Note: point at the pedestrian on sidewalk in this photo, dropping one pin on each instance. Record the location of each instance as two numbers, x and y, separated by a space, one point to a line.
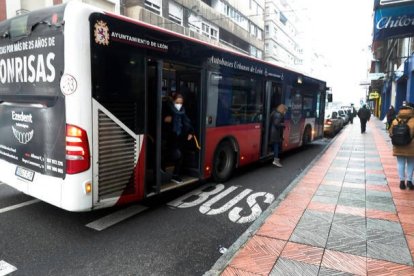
276 132
405 154
364 115
352 114
390 116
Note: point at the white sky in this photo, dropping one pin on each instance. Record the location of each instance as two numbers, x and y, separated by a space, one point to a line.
341 31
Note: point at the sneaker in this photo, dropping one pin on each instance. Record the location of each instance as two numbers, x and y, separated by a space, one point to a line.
276 162
176 179
402 185
410 185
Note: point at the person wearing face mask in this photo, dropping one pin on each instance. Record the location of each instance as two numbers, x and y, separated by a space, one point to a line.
177 130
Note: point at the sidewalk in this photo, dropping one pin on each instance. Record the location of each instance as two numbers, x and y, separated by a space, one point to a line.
346 216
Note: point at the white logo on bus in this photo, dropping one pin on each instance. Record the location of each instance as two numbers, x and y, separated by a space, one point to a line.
21 128
68 84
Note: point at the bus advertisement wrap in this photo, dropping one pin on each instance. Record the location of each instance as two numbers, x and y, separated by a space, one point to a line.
32 107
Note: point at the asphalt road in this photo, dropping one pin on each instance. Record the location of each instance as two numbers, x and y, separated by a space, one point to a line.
172 237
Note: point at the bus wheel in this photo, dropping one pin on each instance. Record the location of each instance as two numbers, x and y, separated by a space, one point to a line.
223 163
306 139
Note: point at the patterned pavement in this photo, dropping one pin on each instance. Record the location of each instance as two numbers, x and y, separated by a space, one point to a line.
346 216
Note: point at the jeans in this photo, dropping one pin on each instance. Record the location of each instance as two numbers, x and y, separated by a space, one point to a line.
276 150
401 163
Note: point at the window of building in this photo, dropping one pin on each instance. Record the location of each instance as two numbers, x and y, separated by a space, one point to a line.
255 8
253 51
194 22
175 13
259 54
253 29
256 52
153 5
267 29
283 18
208 2
234 15
205 29
209 31
214 33
275 50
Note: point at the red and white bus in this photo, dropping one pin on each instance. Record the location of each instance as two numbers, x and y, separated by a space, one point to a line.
81 99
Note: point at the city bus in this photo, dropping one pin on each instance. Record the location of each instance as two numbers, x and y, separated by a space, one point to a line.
82 93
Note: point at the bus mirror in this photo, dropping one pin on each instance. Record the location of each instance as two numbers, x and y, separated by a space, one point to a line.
329 97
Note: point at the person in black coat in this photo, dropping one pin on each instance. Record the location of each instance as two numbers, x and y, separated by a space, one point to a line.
391 115
276 132
352 114
364 115
177 129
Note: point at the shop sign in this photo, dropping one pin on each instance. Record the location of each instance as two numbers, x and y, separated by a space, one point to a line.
374 95
394 22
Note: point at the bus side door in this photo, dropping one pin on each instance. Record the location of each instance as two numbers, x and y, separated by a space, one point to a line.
272 98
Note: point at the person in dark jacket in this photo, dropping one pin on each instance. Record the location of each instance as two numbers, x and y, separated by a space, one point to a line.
276 132
390 116
177 129
364 115
352 114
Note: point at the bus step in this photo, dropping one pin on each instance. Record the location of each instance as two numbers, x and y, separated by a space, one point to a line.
171 185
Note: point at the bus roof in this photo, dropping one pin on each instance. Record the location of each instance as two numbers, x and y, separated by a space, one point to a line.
136 21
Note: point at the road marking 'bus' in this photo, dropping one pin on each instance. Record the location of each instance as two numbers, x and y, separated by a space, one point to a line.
6 268
201 196
17 206
116 217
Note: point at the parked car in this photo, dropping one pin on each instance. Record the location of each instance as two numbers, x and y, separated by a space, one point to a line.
344 115
333 123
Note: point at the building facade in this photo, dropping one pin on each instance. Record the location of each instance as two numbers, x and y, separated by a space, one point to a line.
226 23
392 67
231 24
265 29
282 44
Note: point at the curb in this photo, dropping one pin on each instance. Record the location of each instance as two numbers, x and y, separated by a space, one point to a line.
226 258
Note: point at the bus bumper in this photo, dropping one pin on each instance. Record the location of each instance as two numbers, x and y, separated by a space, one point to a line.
68 194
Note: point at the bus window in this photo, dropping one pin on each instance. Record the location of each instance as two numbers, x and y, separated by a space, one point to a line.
308 106
235 100
118 83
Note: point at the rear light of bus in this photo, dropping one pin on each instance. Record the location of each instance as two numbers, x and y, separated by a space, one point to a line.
328 122
77 150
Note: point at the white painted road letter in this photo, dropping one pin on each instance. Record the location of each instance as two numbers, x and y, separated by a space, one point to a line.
234 214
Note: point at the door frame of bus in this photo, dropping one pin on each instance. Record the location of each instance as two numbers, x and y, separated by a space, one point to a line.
156 187
265 152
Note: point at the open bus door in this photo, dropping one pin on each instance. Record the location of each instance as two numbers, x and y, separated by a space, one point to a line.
164 79
272 98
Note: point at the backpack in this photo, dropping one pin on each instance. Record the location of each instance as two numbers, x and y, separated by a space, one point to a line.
401 133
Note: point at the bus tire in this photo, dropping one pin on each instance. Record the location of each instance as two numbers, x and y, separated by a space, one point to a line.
223 162
306 138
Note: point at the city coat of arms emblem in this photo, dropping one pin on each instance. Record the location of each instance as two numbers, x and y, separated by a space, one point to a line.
101 33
